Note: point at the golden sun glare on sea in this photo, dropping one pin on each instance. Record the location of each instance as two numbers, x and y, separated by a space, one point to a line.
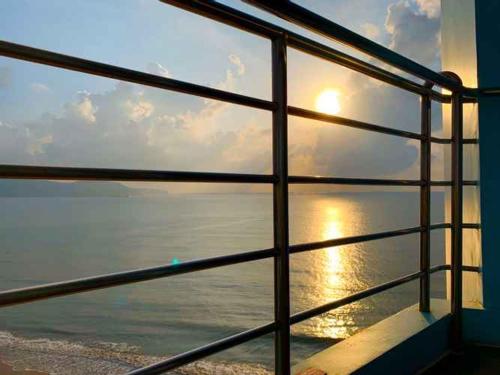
328 102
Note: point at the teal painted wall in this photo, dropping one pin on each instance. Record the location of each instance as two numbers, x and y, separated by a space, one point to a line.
488 57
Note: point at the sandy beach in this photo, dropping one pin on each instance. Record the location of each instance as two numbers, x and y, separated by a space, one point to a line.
6 369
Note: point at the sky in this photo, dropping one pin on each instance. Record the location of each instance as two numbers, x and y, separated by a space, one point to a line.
51 116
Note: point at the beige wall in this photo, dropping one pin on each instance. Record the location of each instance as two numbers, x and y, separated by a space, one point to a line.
459 55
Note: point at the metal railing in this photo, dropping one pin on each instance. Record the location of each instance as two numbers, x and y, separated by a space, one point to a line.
281 39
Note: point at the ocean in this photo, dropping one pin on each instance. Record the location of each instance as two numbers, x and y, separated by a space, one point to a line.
115 330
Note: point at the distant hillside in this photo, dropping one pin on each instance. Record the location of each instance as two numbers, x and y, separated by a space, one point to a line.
35 188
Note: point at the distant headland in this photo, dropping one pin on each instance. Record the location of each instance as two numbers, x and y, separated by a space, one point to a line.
36 188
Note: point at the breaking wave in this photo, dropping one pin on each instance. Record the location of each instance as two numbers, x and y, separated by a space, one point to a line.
61 357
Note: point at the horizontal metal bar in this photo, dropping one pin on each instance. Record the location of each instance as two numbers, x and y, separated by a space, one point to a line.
40 56
441 267
464 226
112 174
443 141
204 351
303 17
228 16
447 267
257 26
470 141
488 91
441 226
470 182
471 269
446 141
313 115
469 95
471 226
106 174
440 183
449 183
351 181
304 315
332 55
298 248
58 289
368 181
351 240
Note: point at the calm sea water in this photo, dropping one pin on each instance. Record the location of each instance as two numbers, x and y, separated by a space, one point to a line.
114 330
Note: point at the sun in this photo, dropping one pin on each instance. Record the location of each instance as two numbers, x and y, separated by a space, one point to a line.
328 102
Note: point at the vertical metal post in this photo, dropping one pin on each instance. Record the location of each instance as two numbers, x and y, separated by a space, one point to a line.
280 207
425 202
456 220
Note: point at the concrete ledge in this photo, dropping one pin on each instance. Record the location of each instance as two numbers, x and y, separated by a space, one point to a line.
404 343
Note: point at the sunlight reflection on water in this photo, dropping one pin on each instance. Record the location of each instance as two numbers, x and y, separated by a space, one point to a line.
332 273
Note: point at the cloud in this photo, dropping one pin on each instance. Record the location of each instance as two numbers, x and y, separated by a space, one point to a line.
15 143
414 33
345 152
437 159
39 87
84 108
5 76
37 145
147 128
139 127
139 110
370 30
158 69
431 8
237 62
